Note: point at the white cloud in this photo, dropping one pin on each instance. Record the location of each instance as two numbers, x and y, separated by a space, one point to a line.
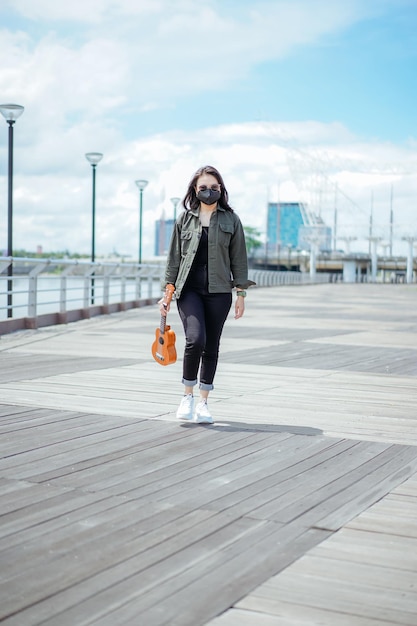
133 56
87 11
81 67
55 210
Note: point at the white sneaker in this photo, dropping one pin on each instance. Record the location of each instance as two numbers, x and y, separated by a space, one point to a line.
185 409
202 414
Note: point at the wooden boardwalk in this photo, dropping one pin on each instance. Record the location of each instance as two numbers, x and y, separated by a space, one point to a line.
297 507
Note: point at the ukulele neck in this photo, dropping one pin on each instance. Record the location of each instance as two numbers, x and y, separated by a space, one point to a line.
163 324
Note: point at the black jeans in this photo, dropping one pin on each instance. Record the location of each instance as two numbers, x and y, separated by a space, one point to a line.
203 315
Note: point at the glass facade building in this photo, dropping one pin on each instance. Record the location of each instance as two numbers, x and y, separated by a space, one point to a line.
291 225
283 223
319 233
163 232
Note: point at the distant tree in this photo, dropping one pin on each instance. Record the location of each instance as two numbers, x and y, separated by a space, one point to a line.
252 239
49 255
22 253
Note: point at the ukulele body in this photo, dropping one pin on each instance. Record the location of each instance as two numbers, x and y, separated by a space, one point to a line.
163 348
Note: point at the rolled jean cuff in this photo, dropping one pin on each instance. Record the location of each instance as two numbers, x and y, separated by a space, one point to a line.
206 387
189 383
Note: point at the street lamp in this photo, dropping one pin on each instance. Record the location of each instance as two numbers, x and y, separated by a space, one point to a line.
141 184
373 242
10 113
289 247
93 158
175 203
410 257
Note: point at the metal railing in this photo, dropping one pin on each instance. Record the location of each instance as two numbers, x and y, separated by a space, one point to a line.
268 278
52 291
55 291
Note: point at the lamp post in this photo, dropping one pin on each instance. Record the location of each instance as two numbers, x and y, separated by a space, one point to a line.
175 203
373 242
347 240
93 158
315 240
289 247
141 184
410 257
10 113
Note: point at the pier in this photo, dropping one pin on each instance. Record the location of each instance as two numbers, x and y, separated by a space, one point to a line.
297 507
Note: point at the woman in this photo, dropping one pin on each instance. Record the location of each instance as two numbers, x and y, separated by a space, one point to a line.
206 259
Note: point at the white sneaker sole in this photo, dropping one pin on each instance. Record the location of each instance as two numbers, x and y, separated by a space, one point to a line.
185 418
204 420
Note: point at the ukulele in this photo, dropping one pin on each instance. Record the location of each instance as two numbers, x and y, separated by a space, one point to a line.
163 348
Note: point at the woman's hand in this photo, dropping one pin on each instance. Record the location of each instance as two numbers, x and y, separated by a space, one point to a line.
165 301
163 307
239 307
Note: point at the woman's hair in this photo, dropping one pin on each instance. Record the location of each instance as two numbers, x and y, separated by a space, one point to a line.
192 202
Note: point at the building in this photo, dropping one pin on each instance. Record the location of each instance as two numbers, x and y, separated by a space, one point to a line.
163 232
283 222
318 234
292 225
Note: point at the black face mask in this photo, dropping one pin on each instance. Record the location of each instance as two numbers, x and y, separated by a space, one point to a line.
209 196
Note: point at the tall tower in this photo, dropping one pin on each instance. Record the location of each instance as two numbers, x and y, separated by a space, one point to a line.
163 232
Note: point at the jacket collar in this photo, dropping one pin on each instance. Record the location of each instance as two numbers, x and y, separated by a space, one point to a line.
196 212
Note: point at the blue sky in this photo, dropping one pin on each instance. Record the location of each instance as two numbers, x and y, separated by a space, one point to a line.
363 76
288 99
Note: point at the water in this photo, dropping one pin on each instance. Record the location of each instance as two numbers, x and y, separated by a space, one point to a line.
48 293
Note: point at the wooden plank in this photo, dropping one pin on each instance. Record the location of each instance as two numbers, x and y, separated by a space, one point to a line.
243 466
324 488
285 615
43 510
180 603
390 515
117 511
362 573
370 488
255 498
133 560
407 488
398 607
26 366
324 356
238 617
27 494
129 521
87 513
27 439
173 466
66 453
114 543
375 548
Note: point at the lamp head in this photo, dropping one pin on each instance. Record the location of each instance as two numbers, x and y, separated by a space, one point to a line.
11 112
141 184
175 201
94 157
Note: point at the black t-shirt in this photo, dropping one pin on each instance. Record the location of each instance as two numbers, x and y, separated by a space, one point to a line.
198 278
201 256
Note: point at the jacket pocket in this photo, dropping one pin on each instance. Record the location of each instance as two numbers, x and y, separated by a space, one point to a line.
185 241
225 234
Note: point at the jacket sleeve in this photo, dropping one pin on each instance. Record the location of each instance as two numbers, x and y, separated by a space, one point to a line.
174 255
239 257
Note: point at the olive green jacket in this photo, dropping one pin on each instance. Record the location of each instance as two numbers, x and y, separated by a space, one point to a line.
227 257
